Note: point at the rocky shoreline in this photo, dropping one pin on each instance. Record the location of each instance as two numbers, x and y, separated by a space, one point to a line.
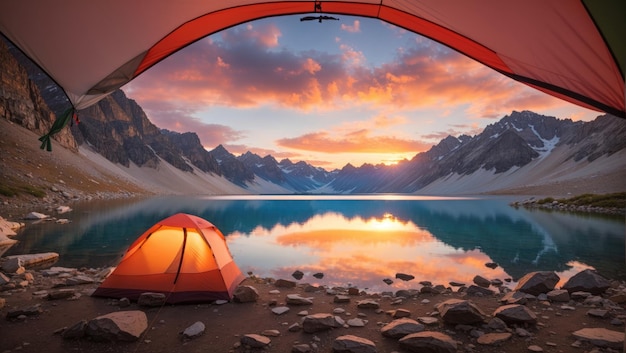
587 314
532 204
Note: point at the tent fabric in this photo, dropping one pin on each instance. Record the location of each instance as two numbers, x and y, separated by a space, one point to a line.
572 49
182 256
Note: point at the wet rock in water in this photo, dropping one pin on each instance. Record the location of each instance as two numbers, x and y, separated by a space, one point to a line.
494 338
601 337
36 216
245 294
428 341
255 341
195 330
515 314
456 284
296 299
404 276
297 274
367 304
283 283
491 265
117 326
318 322
457 311
587 281
388 281
318 275
401 327
538 282
151 299
481 281
353 344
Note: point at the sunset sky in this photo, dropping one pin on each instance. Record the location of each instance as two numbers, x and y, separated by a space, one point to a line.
356 91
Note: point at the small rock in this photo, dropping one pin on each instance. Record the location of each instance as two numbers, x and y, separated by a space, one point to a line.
353 344
195 330
255 341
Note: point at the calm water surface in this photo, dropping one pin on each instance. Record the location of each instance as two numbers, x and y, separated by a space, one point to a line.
353 240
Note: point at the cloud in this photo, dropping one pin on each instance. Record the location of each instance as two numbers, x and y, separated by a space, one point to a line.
246 67
355 28
358 141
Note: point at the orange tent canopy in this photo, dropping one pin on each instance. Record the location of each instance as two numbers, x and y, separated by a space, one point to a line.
571 49
182 256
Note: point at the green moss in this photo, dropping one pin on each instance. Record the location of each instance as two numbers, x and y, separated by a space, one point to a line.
617 200
14 189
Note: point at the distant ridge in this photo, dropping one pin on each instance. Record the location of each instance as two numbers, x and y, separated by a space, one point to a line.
519 153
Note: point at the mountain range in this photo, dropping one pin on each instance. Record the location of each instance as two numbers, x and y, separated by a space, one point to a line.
521 151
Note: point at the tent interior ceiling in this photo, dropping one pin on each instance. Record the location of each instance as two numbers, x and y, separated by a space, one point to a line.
571 49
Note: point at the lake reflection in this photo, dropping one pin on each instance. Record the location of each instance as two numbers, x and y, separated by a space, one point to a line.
356 240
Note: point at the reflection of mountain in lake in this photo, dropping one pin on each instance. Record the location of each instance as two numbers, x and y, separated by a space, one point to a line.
518 240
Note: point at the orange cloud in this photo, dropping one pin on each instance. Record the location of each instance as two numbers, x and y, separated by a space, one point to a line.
360 141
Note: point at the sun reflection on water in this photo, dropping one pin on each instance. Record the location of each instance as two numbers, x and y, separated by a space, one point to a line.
356 251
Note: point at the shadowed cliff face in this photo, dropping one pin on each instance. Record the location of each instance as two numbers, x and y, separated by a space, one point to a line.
21 101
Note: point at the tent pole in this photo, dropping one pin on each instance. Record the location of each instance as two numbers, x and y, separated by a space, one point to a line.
182 254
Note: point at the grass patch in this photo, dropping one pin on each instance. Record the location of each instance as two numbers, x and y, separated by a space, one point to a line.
18 189
617 200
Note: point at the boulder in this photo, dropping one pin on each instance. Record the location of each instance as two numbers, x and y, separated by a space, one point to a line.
353 344
538 282
558 295
587 281
318 322
245 294
601 337
515 314
457 311
481 281
428 341
401 327
117 326
479 291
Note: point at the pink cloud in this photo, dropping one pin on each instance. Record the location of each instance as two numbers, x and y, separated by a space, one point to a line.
354 28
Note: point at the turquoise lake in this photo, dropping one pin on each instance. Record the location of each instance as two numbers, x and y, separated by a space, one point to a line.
353 240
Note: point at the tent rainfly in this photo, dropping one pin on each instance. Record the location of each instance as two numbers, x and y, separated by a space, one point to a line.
572 49
183 256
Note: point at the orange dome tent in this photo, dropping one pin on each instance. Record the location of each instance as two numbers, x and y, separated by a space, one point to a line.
182 256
